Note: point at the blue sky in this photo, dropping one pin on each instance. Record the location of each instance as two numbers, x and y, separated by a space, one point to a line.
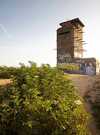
28 28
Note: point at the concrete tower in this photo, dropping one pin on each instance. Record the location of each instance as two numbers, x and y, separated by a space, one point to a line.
70 40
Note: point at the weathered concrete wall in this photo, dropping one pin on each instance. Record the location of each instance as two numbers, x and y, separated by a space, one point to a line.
86 65
69 40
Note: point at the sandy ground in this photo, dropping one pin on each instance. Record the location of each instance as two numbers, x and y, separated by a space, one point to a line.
83 83
4 81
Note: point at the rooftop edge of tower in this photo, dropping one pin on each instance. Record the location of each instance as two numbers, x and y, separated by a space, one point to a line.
73 22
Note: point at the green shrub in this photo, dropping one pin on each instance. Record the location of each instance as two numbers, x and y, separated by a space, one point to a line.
69 67
41 101
7 72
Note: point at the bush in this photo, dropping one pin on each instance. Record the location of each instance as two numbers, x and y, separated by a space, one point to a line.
41 101
7 72
69 67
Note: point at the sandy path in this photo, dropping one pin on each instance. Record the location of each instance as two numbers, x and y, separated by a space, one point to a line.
83 83
4 81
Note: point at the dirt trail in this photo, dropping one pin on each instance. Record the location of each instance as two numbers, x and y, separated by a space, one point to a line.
4 81
84 83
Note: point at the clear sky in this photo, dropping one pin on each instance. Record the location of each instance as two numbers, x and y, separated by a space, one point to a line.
28 28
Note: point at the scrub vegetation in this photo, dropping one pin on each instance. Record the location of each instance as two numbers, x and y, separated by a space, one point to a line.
41 101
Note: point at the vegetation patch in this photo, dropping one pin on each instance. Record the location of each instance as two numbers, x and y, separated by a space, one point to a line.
41 101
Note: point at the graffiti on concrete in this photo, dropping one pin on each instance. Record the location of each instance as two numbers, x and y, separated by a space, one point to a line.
86 65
